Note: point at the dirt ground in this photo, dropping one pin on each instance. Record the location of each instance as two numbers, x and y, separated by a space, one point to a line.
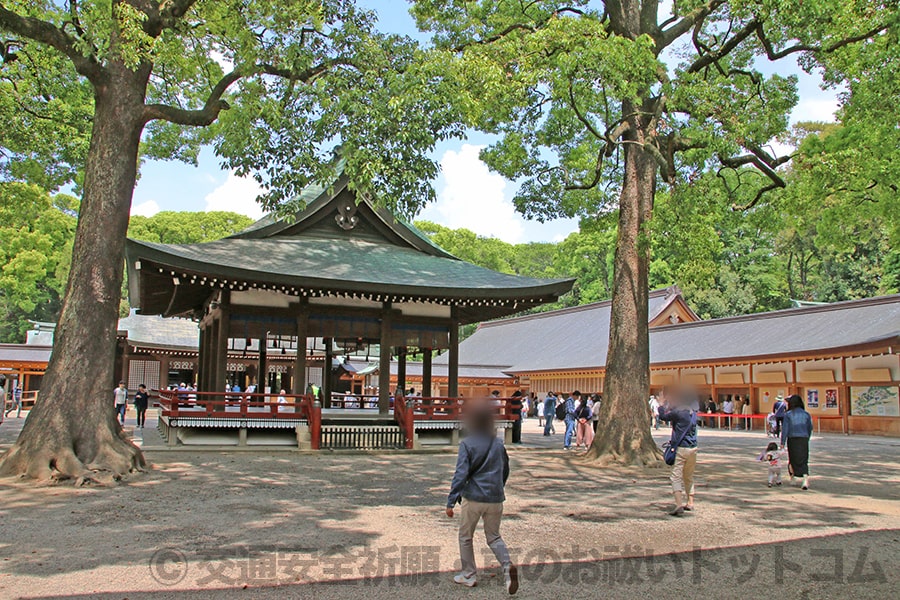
282 524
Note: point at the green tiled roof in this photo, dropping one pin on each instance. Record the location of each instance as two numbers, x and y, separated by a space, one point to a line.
315 249
343 264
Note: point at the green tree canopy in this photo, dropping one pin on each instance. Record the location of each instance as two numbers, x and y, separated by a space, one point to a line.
36 232
175 227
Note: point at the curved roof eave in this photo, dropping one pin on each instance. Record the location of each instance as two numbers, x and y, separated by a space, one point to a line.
137 250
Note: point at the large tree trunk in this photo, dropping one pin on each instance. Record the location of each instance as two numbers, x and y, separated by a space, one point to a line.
72 431
624 434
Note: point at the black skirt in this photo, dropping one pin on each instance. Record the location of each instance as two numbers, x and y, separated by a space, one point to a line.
798 455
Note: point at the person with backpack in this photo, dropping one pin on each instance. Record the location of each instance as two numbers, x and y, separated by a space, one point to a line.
684 440
549 413
568 412
779 408
482 469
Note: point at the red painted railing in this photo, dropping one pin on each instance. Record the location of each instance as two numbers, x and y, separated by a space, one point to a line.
182 403
450 409
409 410
405 419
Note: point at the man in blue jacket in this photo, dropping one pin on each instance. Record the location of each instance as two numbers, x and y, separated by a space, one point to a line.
549 413
482 468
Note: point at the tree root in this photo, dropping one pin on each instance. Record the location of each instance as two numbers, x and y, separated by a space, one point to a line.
114 461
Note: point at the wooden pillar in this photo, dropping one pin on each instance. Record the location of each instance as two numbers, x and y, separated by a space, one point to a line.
326 372
384 361
208 358
298 381
426 372
453 362
201 357
261 371
844 398
126 357
221 349
401 369
163 372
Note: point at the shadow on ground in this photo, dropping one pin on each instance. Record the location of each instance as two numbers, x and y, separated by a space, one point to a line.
859 565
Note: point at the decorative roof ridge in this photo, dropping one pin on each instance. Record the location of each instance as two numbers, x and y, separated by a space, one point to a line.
666 292
787 312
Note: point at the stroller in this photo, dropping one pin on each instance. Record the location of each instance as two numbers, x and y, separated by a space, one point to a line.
772 425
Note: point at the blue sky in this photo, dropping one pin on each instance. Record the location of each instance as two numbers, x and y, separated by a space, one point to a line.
468 194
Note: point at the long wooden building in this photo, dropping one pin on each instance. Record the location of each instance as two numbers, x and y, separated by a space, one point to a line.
842 358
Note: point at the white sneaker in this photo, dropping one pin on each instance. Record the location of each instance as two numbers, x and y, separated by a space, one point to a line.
511 576
805 485
466 581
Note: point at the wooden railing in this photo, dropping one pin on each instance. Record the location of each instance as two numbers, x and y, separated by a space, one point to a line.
450 409
180 403
351 401
403 414
409 410
29 398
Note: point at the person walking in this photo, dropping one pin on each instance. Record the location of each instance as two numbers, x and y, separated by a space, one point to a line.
746 412
779 408
121 400
539 406
595 411
482 469
570 418
712 409
141 400
796 429
654 412
774 456
684 440
583 427
16 401
516 406
549 413
2 397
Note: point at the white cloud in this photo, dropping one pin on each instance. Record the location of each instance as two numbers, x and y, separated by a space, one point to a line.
145 209
474 198
237 194
816 109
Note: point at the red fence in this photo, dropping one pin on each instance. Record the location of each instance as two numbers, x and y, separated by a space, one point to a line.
182 403
409 410
189 403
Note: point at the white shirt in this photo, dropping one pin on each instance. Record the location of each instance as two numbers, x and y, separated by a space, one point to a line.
121 396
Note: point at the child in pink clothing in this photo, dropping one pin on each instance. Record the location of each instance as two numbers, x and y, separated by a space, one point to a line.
774 456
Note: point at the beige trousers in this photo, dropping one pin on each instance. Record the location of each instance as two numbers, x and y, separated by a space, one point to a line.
470 513
683 470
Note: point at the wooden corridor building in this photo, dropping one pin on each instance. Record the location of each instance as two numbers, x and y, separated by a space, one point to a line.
342 270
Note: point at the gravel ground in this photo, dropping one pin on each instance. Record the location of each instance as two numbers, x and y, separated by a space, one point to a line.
265 524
